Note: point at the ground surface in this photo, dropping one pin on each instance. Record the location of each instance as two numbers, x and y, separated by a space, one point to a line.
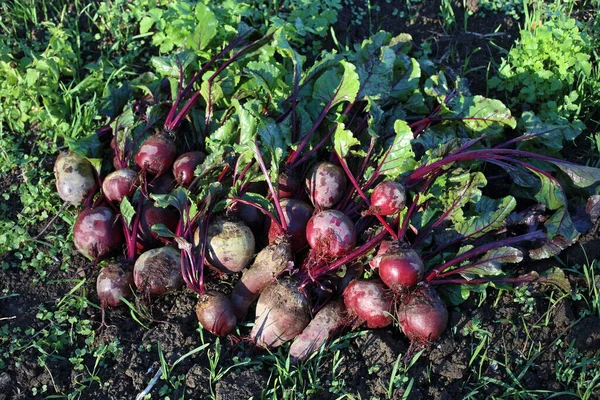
503 345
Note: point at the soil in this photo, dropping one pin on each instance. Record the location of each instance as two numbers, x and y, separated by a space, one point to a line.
443 371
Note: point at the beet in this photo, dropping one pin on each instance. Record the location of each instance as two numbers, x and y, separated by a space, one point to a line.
388 198
120 184
75 178
296 214
156 155
185 165
368 302
114 282
383 248
215 313
288 183
150 216
158 271
230 245
97 233
401 268
163 184
422 315
326 184
330 233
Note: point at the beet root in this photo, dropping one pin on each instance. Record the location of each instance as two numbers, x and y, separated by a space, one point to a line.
120 184
185 165
75 178
296 214
326 323
230 245
158 271
156 154
326 184
388 198
114 282
215 313
151 216
269 262
423 315
97 233
330 233
368 302
401 268
282 313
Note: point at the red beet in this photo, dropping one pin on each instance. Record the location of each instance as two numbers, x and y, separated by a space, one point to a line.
156 155
330 233
401 268
215 313
423 315
288 183
185 165
383 248
97 233
326 184
388 198
297 213
150 216
369 303
158 271
113 283
163 184
119 184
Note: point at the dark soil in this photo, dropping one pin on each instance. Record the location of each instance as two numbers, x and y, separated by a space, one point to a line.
445 369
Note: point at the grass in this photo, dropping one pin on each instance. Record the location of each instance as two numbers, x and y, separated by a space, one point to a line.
59 59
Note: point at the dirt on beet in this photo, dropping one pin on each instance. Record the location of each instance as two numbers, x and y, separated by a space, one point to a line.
366 365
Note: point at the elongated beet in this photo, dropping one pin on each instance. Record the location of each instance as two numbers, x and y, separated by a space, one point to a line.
158 271
296 213
75 178
422 315
114 282
119 184
388 198
156 154
401 268
97 233
282 313
269 262
230 245
369 303
185 165
326 323
330 233
326 184
215 313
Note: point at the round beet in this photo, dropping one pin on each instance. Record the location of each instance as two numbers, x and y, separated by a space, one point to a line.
230 245
330 233
97 233
423 315
185 165
326 184
151 216
119 184
156 155
388 198
75 178
113 283
296 214
383 248
401 268
215 313
163 184
158 271
288 183
369 303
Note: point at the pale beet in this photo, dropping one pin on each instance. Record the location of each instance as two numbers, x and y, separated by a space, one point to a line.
120 184
330 233
114 282
185 165
156 154
229 245
423 315
98 233
401 268
150 216
326 184
388 198
75 178
368 302
323 327
158 271
268 264
296 214
282 313
215 313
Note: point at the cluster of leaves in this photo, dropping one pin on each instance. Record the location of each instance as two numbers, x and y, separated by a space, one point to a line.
551 75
